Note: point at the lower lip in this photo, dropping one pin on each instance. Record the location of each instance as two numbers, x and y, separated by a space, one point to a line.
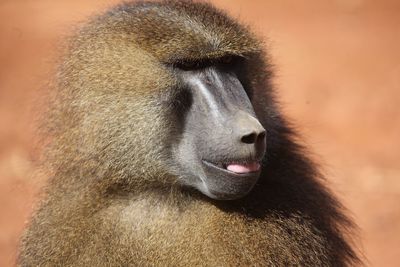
244 168
238 169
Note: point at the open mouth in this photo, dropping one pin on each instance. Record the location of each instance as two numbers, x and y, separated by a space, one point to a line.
238 168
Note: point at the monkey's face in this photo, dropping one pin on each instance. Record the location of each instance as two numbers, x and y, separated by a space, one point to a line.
221 142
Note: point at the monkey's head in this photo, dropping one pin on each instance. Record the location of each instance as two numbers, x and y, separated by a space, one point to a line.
222 143
168 90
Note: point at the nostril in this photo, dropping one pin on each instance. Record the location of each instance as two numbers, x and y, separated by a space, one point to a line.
253 137
249 139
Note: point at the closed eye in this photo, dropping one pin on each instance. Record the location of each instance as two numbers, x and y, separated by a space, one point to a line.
227 62
188 65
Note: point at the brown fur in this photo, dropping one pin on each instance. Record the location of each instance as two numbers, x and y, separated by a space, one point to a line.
112 202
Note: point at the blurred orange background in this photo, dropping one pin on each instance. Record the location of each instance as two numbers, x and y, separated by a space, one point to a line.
337 74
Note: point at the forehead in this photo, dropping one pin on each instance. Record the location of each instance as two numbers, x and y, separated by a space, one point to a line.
126 48
183 30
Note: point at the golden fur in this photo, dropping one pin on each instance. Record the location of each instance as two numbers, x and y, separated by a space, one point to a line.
112 202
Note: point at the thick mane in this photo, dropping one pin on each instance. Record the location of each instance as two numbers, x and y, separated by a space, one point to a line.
112 201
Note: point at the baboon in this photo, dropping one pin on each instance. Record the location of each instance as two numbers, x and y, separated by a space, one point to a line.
168 148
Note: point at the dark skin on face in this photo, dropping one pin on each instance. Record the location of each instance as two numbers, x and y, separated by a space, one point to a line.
167 148
223 142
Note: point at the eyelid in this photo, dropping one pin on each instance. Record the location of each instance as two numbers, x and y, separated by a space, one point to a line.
190 64
228 60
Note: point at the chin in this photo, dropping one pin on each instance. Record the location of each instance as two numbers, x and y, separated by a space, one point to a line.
222 184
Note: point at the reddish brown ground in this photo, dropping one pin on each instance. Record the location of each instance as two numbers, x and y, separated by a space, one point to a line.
338 76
